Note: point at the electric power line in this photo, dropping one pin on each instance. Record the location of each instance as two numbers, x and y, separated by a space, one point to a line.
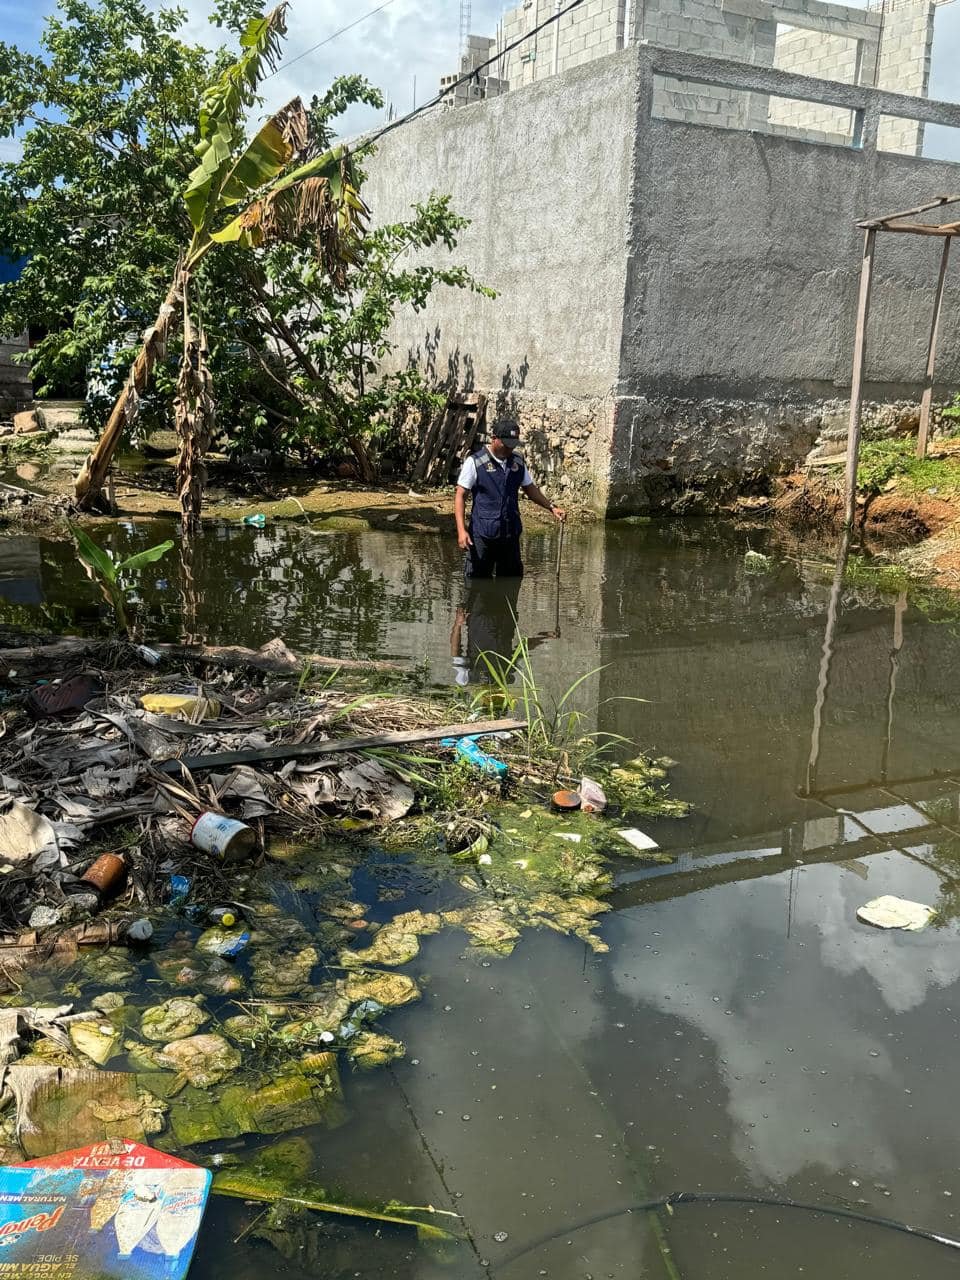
319 45
368 139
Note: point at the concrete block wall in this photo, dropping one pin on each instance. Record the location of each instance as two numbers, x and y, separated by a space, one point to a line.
15 386
699 330
828 57
807 37
904 67
593 30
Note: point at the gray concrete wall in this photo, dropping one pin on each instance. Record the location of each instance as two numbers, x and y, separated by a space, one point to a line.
741 294
676 301
543 175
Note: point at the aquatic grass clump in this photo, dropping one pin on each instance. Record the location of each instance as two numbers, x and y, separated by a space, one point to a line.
554 740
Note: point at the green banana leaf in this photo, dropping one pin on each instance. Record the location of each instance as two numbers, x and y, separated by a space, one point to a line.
221 115
263 159
94 556
142 558
328 166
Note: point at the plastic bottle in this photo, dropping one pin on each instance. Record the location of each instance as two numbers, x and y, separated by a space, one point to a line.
226 917
257 521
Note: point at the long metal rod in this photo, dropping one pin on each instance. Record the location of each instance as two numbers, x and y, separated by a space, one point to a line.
856 384
927 398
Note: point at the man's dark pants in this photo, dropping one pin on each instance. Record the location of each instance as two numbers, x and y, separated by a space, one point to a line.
489 556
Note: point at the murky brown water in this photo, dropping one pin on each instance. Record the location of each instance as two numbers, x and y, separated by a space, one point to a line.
744 1034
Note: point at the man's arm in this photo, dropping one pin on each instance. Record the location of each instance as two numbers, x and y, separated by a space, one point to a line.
460 515
534 494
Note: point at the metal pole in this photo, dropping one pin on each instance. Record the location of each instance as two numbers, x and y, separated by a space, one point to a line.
556 37
932 353
856 384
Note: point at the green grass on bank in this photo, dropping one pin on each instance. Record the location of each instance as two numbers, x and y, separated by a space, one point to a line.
884 460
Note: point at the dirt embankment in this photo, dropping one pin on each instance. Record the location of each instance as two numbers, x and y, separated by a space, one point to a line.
908 507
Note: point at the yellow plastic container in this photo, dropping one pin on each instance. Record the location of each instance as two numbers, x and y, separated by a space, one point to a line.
188 706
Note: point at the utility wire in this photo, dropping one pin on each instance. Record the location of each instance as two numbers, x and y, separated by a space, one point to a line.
369 139
319 45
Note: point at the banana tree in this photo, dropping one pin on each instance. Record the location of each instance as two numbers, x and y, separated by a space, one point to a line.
246 194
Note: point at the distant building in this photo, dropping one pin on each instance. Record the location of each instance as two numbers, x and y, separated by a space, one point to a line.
886 45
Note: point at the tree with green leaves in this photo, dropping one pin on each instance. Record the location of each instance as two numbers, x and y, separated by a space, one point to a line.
240 193
141 206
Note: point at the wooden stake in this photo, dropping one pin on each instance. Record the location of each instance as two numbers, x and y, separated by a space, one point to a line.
932 353
856 385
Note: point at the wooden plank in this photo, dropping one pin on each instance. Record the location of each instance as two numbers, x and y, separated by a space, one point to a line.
478 418
927 397
881 223
856 383
426 454
300 750
922 228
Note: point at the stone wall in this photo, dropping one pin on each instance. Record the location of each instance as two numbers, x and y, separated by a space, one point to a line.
15 386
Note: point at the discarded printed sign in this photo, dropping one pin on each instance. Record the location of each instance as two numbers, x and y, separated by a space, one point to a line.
111 1210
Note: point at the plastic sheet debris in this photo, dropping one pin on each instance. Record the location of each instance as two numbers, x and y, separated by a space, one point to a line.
225 942
637 839
572 836
592 796
56 699
188 706
890 912
111 1211
468 749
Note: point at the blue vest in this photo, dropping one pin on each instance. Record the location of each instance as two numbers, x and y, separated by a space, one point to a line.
496 501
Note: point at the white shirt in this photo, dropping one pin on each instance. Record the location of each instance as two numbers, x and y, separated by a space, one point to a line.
467 479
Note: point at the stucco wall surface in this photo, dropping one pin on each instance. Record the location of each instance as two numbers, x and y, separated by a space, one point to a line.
543 174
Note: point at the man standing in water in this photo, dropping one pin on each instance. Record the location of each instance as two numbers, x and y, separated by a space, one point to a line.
495 475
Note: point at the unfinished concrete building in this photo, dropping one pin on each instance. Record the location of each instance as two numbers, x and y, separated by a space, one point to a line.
676 293
886 46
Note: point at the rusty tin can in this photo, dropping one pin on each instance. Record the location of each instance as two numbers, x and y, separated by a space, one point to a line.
107 875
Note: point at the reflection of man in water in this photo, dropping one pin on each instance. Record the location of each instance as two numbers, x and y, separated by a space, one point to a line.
488 616
495 476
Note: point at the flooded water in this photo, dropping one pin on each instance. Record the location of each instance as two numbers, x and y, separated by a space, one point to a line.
744 1035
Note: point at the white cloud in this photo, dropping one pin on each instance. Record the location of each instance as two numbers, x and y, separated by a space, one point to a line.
802 1040
410 38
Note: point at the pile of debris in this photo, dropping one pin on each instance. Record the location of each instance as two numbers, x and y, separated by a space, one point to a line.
107 753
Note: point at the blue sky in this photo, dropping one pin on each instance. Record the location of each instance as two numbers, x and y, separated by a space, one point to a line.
410 38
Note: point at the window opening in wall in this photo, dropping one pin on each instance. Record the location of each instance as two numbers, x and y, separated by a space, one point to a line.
696 102
900 135
818 53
